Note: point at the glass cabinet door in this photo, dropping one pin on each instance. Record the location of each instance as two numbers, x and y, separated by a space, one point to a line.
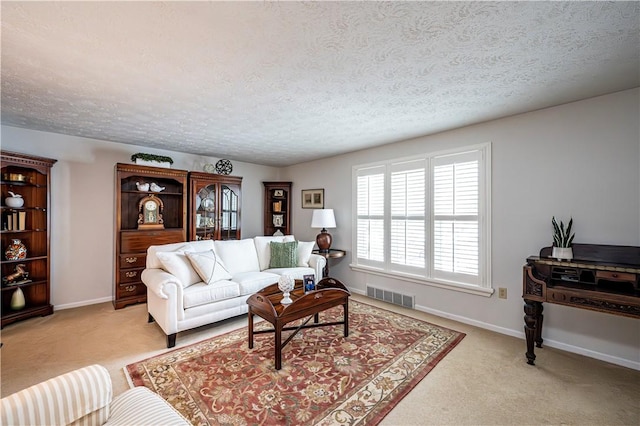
229 213
206 219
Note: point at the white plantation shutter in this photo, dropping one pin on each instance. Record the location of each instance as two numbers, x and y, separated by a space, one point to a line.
408 214
370 215
456 209
427 219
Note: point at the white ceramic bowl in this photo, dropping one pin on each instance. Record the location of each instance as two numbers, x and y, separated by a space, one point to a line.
14 201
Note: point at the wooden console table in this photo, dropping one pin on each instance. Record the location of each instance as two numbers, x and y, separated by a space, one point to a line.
601 278
330 254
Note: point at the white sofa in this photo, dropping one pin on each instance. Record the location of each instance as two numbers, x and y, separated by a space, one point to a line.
177 297
85 397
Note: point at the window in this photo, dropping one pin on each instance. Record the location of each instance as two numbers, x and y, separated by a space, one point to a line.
426 219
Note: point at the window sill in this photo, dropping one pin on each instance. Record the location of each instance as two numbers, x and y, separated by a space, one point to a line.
449 285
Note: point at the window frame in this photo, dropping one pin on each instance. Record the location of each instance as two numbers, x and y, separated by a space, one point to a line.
426 276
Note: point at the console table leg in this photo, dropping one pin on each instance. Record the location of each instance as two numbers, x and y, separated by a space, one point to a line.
532 312
539 318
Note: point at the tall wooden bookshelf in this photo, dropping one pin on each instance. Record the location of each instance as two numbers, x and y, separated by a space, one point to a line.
30 177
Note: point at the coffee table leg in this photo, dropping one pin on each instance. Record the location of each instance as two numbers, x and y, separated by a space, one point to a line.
250 327
278 347
346 319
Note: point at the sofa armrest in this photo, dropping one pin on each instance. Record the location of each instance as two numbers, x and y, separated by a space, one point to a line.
318 263
157 279
84 394
141 406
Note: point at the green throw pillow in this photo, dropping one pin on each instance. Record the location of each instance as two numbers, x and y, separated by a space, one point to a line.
284 255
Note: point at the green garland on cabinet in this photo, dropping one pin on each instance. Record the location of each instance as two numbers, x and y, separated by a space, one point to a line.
152 157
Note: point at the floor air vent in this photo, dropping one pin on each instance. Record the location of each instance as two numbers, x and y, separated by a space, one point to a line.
391 297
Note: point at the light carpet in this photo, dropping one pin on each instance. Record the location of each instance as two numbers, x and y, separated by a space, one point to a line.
325 377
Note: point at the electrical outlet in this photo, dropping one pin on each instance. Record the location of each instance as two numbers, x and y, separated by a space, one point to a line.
502 293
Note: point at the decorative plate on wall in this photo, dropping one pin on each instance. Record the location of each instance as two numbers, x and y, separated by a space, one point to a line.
224 167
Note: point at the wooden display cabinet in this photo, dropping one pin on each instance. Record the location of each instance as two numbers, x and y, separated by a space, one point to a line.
214 206
30 177
132 239
277 208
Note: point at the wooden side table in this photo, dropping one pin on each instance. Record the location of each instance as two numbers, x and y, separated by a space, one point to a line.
331 254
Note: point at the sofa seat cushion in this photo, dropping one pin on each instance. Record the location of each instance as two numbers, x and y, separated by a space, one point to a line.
202 293
295 273
252 282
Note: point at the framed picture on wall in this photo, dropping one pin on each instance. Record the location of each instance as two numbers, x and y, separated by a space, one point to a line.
313 198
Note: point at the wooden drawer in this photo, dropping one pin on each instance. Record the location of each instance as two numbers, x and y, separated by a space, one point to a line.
615 276
139 241
133 260
131 289
130 275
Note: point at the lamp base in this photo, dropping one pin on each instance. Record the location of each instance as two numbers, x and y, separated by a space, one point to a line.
323 240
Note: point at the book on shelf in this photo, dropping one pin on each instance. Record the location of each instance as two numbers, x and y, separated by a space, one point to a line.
22 221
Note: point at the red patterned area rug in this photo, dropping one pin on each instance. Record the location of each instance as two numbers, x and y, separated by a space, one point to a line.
326 379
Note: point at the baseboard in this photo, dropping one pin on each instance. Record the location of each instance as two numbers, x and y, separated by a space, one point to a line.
83 303
520 335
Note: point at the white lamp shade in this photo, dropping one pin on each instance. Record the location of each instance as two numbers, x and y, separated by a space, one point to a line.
323 218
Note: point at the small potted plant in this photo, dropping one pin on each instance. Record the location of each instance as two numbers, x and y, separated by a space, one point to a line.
152 160
562 239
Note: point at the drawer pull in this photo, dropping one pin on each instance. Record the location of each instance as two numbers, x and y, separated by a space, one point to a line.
614 275
130 288
131 274
131 259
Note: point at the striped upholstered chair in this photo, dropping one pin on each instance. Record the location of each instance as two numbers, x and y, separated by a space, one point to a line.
85 397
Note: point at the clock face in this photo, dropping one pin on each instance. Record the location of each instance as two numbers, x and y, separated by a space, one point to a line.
150 211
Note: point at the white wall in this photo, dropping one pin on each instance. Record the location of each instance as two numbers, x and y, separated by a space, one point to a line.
82 210
579 159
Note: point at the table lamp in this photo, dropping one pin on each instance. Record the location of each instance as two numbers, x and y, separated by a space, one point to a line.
323 218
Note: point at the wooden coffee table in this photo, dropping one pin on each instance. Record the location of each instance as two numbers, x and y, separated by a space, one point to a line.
266 304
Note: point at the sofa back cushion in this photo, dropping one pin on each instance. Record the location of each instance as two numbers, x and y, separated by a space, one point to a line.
238 255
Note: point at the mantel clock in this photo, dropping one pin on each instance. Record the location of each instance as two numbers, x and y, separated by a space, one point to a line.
150 210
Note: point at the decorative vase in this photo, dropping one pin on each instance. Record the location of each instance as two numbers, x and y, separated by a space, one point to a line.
17 300
286 284
15 201
16 250
561 253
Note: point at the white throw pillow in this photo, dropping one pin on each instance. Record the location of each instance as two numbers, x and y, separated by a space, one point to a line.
304 252
177 264
209 266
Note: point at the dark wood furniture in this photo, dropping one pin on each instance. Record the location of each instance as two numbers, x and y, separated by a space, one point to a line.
266 304
30 177
277 208
214 206
331 254
132 241
601 278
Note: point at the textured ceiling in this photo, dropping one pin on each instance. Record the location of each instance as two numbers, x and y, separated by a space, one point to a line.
287 82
